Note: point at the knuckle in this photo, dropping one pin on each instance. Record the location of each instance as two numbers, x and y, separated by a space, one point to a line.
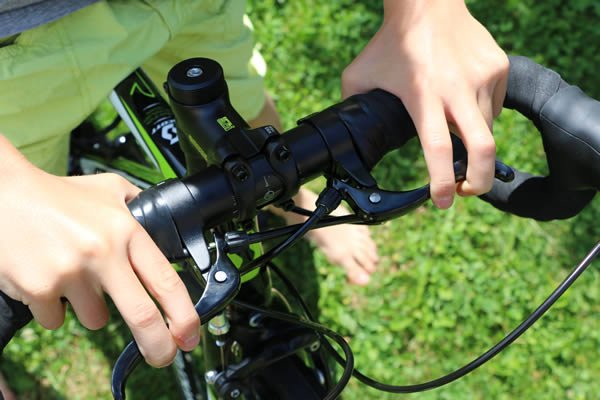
485 147
418 83
170 282
144 315
122 226
67 264
437 142
114 180
190 322
164 358
94 246
501 63
41 292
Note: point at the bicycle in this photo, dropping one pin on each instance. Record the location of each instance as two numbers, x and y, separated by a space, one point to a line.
255 352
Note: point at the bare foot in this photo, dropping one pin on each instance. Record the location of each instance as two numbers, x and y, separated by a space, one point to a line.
349 246
5 390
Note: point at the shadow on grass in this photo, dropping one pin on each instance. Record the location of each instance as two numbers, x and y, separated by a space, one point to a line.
145 381
25 384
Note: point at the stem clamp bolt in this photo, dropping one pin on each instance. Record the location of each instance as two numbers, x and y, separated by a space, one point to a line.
240 173
283 153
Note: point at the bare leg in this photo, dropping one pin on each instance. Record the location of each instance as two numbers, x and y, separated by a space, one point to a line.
349 246
5 390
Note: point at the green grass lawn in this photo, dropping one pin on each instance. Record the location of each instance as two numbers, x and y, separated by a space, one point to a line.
450 284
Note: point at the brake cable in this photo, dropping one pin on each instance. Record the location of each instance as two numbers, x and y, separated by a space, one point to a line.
321 330
328 200
459 373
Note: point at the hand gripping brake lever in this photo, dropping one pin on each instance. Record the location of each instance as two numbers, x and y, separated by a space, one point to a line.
375 205
223 282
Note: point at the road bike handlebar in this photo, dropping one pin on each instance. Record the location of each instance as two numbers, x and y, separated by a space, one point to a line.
569 122
345 141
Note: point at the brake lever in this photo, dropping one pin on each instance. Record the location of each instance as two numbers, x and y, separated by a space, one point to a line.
223 282
375 205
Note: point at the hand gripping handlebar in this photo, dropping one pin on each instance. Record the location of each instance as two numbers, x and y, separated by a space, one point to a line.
345 141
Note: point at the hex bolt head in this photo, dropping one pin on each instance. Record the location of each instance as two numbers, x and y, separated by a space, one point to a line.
194 72
283 153
235 393
240 173
374 197
220 276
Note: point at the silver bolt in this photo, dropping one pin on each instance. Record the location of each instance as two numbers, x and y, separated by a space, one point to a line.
314 346
221 276
194 72
374 197
256 320
219 325
210 377
235 393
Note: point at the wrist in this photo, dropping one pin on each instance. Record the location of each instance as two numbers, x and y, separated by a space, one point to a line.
12 163
405 13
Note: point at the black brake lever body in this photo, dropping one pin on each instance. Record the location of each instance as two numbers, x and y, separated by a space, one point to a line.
222 283
375 205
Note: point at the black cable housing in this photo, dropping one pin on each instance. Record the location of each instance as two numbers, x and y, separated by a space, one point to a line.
459 373
294 319
323 222
328 201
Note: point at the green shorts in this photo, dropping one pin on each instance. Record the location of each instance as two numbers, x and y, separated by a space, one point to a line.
53 76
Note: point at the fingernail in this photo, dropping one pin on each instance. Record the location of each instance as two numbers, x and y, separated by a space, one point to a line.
444 202
191 342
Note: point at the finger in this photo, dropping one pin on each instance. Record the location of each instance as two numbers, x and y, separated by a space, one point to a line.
165 285
89 304
485 104
499 92
476 135
49 313
430 121
141 315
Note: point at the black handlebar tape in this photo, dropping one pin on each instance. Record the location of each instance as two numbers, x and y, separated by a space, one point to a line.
388 126
569 122
530 86
13 316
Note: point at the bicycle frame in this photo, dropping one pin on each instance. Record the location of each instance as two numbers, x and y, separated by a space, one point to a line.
289 355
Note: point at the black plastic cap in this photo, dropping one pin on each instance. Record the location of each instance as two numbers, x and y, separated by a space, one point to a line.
196 81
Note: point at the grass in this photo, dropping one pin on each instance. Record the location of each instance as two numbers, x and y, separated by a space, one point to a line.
450 284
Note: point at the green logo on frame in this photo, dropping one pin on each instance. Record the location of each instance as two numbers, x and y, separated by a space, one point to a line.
225 123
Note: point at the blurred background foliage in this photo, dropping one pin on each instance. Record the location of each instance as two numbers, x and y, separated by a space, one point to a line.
450 284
